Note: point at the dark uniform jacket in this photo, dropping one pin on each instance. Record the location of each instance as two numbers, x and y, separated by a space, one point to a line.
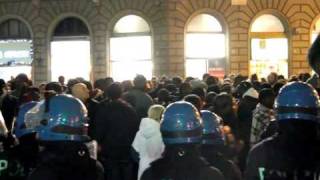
216 159
71 162
273 160
181 165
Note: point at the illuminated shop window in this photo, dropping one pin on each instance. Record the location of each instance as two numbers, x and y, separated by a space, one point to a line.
205 47
15 49
269 46
130 49
70 50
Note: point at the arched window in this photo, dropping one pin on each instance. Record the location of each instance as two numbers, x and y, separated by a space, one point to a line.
315 30
130 49
269 46
205 47
15 49
70 50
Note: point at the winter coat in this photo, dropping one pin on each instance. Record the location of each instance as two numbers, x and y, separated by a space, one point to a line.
148 143
139 100
116 126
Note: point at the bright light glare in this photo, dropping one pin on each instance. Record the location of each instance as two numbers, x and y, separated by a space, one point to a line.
130 48
130 56
269 55
6 72
131 24
274 50
70 59
196 67
205 45
121 71
204 23
267 23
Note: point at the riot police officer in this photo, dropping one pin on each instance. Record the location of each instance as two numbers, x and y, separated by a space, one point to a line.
63 134
213 146
293 153
181 130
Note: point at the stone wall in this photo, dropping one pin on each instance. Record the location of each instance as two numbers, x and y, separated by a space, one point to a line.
167 19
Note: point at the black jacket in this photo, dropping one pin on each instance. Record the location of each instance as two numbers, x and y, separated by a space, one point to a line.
185 164
117 125
216 159
274 159
65 162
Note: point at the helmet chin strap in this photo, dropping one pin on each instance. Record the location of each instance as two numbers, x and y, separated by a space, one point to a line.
93 149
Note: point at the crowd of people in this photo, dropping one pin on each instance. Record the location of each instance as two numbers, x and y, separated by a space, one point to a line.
167 128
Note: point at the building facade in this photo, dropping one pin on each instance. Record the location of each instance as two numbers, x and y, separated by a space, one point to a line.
168 22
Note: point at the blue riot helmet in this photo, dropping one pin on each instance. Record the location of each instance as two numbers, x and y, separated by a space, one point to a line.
297 101
20 126
181 124
211 133
64 120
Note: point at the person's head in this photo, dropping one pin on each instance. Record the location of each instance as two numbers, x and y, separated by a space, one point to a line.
223 104
272 78
126 85
200 92
211 80
140 82
185 89
32 94
70 84
243 87
253 78
297 104
155 112
88 84
211 98
226 88
213 88
172 88
177 81
109 81
21 78
114 91
194 100
80 91
181 124
205 76
293 78
212 134
100 84
238 79
163 95
266 98
256 85
2 85
53 86
61 80
277 86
